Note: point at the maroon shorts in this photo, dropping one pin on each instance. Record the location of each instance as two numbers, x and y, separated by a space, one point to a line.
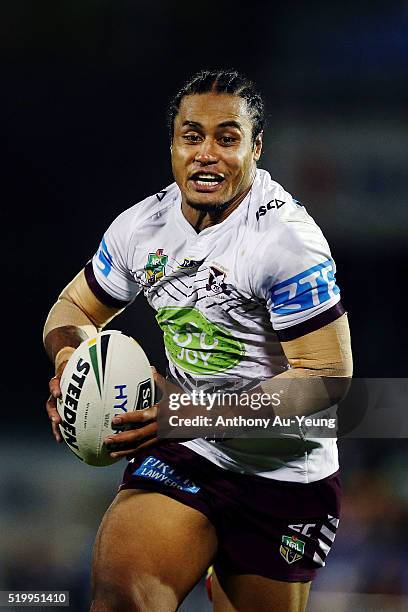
280 530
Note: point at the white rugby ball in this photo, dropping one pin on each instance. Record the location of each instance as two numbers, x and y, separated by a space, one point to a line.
106 376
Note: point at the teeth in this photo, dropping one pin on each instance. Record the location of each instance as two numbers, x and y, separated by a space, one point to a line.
209 177
204 183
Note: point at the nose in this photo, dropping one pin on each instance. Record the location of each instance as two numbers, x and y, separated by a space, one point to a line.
206 153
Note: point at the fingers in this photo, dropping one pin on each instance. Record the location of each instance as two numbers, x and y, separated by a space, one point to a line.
124 443
143 426
138 417
126 437
51 407
54 386
146 444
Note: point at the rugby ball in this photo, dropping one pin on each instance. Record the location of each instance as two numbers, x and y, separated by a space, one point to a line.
106 376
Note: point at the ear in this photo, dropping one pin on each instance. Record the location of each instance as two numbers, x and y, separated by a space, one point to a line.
258 146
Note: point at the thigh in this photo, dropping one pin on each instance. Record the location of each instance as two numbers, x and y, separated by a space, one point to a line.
149 552
281 531
242 593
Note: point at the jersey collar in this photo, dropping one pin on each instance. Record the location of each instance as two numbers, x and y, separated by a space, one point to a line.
232 219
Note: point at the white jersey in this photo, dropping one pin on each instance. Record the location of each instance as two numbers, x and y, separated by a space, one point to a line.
224 299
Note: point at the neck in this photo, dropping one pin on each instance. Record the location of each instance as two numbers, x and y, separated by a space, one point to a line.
200 219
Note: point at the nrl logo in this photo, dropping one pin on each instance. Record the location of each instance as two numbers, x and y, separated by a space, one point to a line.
155 267
216 281
291 549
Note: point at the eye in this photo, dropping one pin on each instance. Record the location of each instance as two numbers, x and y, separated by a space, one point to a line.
192 137
227 140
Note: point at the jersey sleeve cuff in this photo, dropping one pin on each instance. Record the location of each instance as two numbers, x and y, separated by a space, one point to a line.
311 325
100 293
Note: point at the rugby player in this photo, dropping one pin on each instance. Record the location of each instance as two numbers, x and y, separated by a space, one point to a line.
244 287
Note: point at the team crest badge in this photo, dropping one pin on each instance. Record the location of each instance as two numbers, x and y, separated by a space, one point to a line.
190 263
291 549
155 267
216 281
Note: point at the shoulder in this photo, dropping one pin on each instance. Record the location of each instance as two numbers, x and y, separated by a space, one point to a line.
274 210
277 221
286 241
145 211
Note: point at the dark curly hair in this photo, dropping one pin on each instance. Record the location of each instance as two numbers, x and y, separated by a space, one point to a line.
221 81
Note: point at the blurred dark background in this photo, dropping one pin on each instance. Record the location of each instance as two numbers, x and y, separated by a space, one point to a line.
84 91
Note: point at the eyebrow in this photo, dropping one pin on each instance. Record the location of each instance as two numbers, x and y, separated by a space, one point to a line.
228 123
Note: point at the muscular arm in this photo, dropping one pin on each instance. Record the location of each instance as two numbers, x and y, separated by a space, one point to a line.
319 376
75 316
321 366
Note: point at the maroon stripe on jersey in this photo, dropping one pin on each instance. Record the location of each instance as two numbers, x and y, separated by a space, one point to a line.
99 292
311 325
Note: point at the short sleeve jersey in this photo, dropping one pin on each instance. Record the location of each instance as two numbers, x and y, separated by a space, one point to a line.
225 298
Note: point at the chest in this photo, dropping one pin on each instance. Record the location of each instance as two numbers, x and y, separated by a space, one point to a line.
207 271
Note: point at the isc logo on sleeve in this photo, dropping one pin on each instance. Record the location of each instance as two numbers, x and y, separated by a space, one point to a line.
308 289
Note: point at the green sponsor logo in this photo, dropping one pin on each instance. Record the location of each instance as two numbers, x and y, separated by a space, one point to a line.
197 345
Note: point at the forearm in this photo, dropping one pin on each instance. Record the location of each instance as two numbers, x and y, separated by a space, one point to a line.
321 367
301 392
76 315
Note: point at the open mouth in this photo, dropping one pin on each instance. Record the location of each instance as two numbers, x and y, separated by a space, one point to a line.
206 181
